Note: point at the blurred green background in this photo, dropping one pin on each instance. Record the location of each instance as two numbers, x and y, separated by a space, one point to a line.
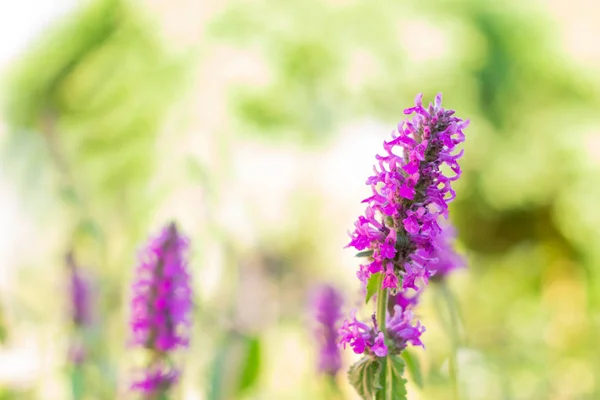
255 124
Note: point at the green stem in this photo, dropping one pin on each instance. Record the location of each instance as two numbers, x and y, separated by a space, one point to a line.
453 328
382 300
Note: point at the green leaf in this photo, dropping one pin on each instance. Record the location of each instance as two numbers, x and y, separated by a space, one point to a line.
236 366
366 253
414 367
251 371
365 376
393 385
373 285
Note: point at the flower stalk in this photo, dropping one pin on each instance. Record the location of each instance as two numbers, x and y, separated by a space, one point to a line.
398 235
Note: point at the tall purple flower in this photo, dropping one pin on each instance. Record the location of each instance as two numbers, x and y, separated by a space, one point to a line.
79 290
409 193
327 304
161 307
399 229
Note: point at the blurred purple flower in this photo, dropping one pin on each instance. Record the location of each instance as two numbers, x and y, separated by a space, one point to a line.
327 304
161 305
162 302
406 299
446 259
79 290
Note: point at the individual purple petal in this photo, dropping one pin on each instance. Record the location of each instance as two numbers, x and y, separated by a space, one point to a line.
379 348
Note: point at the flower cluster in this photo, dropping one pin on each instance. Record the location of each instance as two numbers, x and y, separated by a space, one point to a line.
399 231
161 306
365 339
327 304
362 338
409 193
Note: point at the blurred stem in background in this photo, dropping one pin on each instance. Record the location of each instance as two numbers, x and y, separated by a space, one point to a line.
81 305
448 314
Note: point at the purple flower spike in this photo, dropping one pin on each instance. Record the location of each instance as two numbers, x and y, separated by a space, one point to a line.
161 306
399 233
327 304
155 380
410 192
162 300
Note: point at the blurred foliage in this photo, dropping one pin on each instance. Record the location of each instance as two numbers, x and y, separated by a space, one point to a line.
87 125
84 106
102 95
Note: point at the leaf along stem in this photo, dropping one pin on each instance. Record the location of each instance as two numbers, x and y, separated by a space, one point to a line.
382 300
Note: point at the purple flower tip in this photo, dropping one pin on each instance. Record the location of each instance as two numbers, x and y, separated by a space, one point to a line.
162 300
409 193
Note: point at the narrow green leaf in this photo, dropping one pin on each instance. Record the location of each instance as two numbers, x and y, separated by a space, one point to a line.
373 285
252 365
365 377
366 253
236 366
414 367
393 385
